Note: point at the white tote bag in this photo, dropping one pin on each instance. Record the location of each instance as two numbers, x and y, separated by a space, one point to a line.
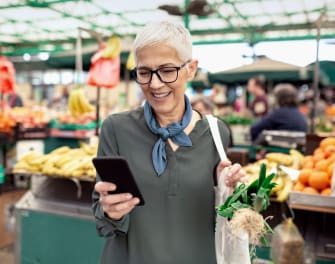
230 249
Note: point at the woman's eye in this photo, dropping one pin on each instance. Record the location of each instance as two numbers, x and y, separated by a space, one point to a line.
167 70
143 73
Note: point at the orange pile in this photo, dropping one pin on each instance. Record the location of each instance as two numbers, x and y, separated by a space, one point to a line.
6 123
317 169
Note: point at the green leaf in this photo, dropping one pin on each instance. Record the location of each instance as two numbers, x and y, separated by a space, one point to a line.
262 175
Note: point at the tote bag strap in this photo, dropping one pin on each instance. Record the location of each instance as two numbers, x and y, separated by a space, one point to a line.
213 125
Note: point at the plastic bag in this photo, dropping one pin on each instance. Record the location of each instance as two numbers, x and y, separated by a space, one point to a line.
287 245
230 249
7 76
104 72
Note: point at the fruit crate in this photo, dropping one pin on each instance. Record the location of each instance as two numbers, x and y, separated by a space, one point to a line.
297 199
6 138
80 133
40 132
55 124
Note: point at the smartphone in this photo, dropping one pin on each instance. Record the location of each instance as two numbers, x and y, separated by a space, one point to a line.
115 169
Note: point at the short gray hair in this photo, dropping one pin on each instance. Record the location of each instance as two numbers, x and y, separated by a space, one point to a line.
165 32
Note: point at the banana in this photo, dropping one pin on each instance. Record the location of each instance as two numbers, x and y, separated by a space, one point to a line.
113 48
84 105
298 158
72 103
21 165
39 161
284 193
62 161
89 150
280 185
31 155
60 151
279 158
78 102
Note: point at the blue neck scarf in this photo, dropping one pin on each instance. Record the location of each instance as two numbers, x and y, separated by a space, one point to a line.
174 131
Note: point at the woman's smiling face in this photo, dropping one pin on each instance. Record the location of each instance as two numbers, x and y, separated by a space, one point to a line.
166 99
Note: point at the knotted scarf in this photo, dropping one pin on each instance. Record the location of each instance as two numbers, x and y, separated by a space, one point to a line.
174 131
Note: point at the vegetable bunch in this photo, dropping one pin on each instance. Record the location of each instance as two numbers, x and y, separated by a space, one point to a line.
256 195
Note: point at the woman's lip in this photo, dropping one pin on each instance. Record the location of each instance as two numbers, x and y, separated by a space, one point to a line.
161 95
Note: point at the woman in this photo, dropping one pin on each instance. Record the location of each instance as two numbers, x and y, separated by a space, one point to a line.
171 153
259 105
286 116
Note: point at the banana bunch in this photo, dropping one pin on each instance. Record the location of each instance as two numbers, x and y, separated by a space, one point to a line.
130 64
63 161
294 160
284 186
112 49
280 158
78 103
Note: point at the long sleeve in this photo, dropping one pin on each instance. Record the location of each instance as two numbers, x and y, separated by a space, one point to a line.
107 227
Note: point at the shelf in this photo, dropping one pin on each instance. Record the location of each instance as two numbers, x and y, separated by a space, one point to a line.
310 202
76 180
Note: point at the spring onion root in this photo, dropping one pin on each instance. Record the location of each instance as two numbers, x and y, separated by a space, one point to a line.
250 221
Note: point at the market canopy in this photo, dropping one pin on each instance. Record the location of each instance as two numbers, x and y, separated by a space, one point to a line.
327 72
33 26
272 70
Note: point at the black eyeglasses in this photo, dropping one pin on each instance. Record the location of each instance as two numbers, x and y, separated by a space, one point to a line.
165 74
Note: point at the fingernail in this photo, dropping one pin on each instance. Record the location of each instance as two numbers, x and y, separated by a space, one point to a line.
136 201
128 196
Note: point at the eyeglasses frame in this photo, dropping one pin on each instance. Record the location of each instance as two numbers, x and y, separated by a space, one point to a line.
152 72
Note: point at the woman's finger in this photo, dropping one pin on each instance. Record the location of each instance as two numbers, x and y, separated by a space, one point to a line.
118 210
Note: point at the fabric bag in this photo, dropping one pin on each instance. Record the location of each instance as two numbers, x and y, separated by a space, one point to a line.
229 248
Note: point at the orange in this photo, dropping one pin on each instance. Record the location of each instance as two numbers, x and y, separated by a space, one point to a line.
304 176
326 191
308 165
330 169
298 186
318 156
329 150
318 180
331 159
317 150
321 165
307 158
310 190
327 142
307 162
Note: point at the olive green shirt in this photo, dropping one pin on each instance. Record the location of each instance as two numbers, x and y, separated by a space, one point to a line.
176 224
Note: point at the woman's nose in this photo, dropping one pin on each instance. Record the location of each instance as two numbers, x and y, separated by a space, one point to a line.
155 81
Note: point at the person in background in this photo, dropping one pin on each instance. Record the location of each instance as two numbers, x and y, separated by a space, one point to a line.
171 152
206 106
259 105
202 104
286 116
14 100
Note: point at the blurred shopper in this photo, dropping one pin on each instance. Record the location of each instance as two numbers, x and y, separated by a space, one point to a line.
206 106
172 154
14 100
202 104
259 105
285 116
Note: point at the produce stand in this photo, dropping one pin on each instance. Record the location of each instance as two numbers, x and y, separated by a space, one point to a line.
52 211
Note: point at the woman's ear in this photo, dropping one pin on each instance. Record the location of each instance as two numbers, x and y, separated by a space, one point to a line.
192 69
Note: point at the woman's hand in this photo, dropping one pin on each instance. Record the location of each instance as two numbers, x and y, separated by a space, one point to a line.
115 205
235 173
